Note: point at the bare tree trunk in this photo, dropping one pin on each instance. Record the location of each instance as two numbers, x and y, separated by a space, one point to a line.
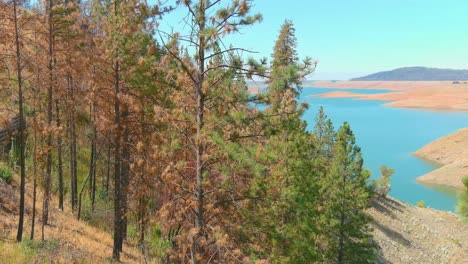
33 218
72 142
117 169
108 168
93 182
59 157
22 140
125 177
93 169
141 221
47 180
199 145
90 173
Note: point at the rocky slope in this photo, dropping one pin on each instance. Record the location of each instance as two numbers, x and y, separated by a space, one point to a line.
413 235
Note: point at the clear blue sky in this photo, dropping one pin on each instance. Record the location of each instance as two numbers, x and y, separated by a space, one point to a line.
354 37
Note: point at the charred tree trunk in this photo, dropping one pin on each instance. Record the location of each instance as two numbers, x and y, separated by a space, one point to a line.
47 180
72 142
59 156
117 167
91 174
109 148
33 217
141 221
22 141
125 176
82 189
93 168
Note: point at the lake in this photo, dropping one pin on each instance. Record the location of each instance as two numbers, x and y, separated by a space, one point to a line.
389 136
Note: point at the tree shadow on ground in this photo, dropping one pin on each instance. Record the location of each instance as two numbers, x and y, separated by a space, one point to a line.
392 234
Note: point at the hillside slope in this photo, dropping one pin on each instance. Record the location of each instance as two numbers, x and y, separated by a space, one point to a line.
411 235
450 151
67 240
417 74
404 233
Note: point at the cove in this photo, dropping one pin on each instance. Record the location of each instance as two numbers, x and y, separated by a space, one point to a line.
388 136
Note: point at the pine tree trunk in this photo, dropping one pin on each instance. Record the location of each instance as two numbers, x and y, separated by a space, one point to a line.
141 222
340 257
72 142
93 157
90 175
22 140
341 241
92 171
117 169
108 168
47 180
199 148
125 177
59 157
33 217
70 149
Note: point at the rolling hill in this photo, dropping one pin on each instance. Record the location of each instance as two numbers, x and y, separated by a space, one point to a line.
417 74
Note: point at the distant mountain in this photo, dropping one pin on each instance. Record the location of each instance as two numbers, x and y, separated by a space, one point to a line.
417 74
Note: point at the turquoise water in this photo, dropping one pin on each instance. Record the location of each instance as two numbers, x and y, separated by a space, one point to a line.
388 136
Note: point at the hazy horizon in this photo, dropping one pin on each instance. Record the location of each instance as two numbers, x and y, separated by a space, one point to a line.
357 38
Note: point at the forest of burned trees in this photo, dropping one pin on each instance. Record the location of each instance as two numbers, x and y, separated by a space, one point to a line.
157 130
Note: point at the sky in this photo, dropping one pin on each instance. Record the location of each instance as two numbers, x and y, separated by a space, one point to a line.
351 38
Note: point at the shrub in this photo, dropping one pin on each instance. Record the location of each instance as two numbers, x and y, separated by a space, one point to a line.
158 244
421 204
5 174
381 186
465 182
462 204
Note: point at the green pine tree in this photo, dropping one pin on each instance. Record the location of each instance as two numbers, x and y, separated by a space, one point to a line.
345 195
325 135
284 225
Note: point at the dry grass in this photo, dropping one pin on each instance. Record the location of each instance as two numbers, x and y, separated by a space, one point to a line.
67 240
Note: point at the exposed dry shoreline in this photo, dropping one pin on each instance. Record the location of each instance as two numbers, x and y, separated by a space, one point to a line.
452 153
405 94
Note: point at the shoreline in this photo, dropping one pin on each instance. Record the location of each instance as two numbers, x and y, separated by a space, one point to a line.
451 153
427 96
448 151
424 95
438 96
